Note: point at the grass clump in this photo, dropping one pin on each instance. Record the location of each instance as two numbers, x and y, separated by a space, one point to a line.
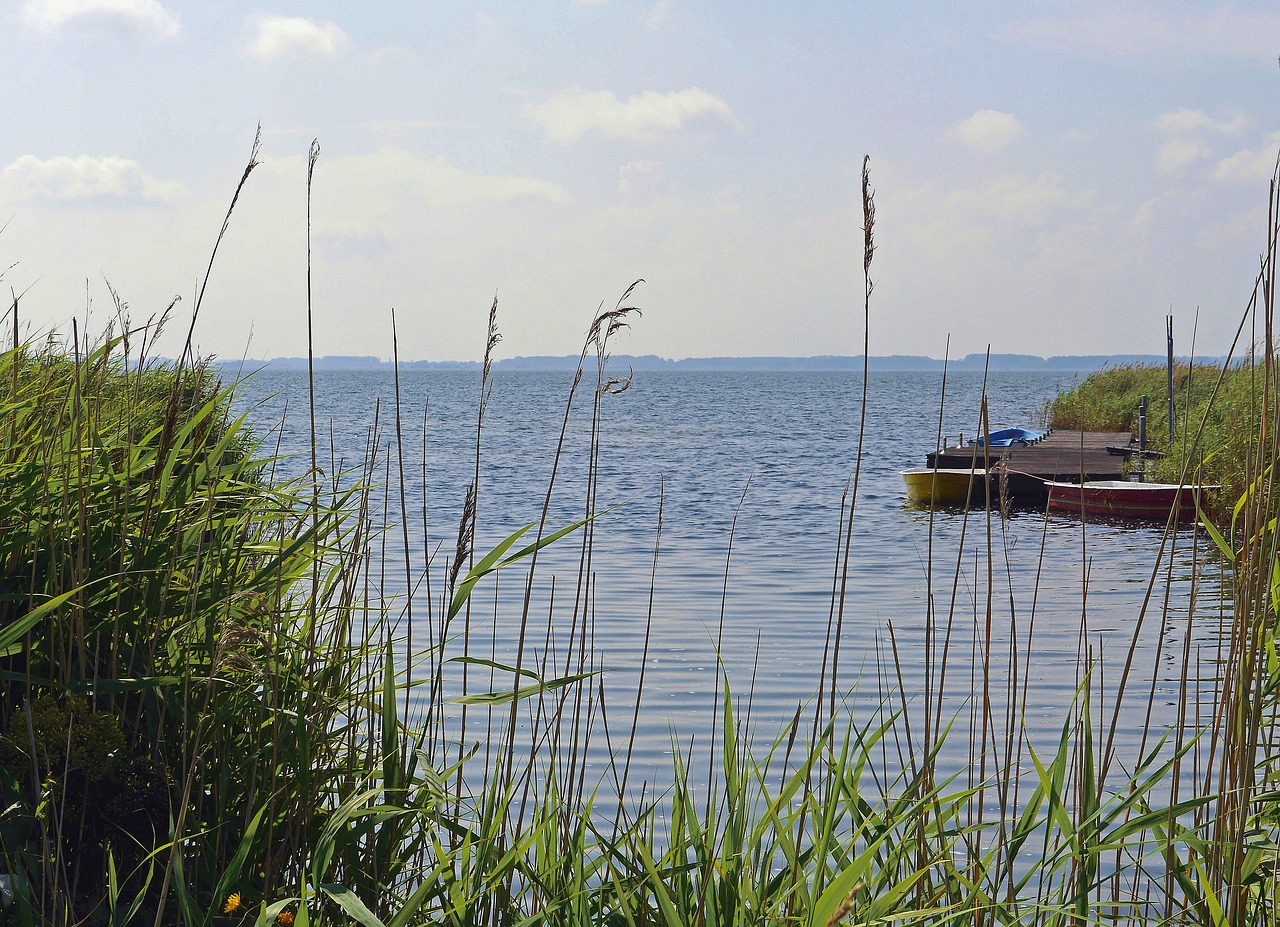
1108 399
1217 418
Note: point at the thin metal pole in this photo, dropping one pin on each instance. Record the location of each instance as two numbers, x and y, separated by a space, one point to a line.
1168 321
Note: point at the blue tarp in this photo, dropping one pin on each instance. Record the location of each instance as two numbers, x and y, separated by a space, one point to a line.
1009 437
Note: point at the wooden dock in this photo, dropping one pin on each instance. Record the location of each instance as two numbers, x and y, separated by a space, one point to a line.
1068 456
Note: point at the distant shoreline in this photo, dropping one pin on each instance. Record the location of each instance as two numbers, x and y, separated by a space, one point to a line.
1028 363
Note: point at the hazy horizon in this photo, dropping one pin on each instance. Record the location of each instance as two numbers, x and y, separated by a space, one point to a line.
1024 363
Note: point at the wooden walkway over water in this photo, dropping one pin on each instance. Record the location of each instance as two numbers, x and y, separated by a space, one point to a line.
1068 456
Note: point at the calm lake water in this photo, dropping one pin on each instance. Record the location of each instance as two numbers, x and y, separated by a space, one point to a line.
777 450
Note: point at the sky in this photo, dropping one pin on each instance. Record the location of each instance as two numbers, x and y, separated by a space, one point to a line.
1050 177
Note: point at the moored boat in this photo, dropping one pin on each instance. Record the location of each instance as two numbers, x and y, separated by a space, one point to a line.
925 484
1124 499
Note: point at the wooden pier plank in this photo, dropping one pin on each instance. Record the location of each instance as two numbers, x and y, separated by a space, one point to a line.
1069 456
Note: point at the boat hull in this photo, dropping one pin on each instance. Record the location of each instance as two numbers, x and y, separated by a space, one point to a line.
1122 499
955 487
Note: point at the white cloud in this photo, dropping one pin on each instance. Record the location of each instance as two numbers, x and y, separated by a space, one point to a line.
1145 215
277 36
990 131
146 15
658 16
1019 262
1250 166
1149 29
640 178
84 177
1010 200
573 113
1193 121
364 195
1177 154
1190 132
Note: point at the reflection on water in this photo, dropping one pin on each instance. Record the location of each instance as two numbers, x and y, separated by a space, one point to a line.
1041 596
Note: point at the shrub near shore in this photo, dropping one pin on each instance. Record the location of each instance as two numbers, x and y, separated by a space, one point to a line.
176 692
1217 419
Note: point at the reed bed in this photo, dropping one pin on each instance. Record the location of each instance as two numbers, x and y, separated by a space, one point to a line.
212 711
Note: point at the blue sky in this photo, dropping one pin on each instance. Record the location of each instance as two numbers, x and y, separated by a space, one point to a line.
1051 177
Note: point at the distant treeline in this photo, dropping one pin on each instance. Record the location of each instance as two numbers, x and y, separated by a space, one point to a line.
651 362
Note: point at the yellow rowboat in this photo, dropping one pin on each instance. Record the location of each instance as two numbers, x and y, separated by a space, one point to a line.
924 484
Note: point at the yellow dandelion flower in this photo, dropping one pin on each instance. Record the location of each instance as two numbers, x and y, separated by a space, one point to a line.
285 918
233 904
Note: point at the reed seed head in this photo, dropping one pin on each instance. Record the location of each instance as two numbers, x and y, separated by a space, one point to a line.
466 536
868 216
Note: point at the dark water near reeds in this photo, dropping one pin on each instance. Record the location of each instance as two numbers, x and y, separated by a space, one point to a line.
778 450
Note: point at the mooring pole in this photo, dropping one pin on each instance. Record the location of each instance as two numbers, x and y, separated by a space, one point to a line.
1168 323
1139 473
1142 425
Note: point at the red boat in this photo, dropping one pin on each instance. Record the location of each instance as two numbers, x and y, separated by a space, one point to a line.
1122 499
